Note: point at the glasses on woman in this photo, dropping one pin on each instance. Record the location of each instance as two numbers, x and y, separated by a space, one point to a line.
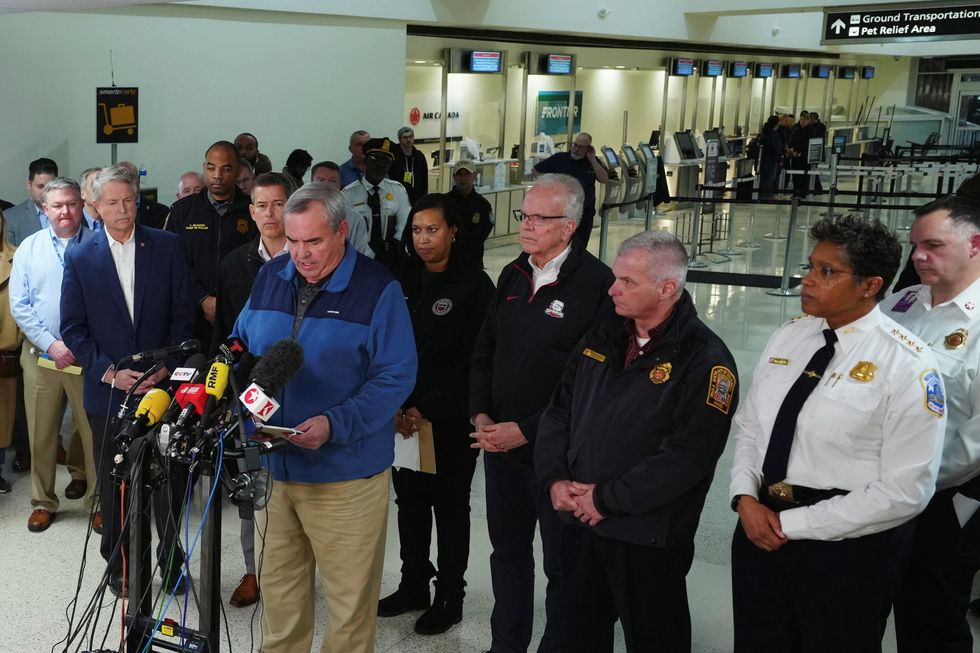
534 220
825 272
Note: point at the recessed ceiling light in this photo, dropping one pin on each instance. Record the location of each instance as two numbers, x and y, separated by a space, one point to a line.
418 62
621 67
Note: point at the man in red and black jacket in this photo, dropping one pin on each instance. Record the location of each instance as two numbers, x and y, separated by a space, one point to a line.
546 300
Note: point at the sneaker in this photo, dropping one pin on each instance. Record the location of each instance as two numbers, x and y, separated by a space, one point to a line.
402 600
5 486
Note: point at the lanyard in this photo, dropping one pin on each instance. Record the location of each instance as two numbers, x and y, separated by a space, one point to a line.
57 249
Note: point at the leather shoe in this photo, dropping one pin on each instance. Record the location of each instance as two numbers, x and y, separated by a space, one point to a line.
22 461
178 584
39 520
62 455
401 601
247 592
5 486
116 583
97 523
442 616
76 489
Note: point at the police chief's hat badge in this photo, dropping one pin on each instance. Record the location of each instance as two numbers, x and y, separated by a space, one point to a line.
380 146
956 339
864 371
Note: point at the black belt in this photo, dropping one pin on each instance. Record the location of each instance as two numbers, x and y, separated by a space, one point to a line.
783 496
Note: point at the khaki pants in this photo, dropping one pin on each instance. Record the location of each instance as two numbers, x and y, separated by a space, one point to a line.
44 390
338 528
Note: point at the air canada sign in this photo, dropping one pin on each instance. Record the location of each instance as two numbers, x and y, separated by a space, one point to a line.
416 115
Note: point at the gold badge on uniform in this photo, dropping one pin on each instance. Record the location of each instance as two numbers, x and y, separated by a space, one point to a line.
661 373
594 355
956 339
778 361
476 218
864 371
721 388
389 197
242 226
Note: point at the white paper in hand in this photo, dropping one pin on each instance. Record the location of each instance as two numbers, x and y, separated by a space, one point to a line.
406 452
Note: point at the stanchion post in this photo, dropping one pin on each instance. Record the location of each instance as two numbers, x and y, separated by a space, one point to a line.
784 290
603 231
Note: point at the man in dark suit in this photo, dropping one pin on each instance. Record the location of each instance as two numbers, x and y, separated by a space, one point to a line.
141 302
27 218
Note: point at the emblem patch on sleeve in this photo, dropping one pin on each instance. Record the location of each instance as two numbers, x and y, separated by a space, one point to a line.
721 388
935 400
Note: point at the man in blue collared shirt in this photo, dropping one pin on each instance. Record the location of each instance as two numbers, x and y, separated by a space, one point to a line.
352 169
35 303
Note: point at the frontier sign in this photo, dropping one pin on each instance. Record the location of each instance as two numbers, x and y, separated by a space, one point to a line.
858 25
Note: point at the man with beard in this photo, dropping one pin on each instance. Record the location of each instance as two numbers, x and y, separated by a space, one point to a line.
582 164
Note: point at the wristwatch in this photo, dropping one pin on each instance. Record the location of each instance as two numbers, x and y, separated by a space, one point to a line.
735 500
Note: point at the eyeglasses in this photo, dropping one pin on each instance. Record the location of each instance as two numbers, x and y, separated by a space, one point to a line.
825 271
534 220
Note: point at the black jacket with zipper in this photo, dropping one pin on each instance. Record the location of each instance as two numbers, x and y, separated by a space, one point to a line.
648 435
527 337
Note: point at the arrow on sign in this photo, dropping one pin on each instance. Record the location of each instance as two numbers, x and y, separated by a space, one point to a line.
837 26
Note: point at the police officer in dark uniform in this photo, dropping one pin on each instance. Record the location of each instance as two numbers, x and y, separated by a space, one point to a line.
475 213
211 224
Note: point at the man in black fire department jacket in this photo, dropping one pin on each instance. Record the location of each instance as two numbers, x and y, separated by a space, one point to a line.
627 449
545 302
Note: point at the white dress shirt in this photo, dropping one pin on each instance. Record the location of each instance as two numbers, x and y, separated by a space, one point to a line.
124 256
549 272
873 426
264 253
958 355
394 205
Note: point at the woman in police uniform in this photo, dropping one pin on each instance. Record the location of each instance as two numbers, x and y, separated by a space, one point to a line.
447 296
836 448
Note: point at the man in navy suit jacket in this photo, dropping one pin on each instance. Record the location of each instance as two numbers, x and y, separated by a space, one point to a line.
26 218
125 291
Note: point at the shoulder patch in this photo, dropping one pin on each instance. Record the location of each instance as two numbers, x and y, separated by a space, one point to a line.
933 388
721 388
908 340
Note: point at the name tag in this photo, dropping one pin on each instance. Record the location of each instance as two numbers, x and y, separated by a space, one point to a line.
594 355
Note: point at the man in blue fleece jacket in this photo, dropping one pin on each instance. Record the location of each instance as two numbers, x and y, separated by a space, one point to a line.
329 502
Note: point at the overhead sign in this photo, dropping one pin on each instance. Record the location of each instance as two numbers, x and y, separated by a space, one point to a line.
929 23
117 114
552 112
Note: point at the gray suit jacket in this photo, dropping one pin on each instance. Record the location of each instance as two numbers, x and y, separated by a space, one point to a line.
21 222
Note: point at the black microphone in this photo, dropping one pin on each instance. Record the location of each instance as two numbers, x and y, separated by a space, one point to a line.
186 347
232 350
277 366
270 375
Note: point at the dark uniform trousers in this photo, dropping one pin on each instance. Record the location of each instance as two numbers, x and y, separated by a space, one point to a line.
930 610
167 502
784 600
447 493
515 503
643 586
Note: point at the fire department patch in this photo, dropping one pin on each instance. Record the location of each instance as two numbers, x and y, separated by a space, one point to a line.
661 373
721 388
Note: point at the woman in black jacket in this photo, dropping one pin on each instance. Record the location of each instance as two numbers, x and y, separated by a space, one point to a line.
770 157
448 298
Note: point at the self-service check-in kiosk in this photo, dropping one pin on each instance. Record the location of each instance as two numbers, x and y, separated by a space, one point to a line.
682 158
614 187
648 168
633 179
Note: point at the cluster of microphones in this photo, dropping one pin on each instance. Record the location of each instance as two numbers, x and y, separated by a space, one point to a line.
205 398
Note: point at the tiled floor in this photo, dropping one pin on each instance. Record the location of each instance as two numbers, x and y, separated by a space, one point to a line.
38 573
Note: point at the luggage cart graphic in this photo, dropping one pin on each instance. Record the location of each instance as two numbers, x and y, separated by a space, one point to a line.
122 116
